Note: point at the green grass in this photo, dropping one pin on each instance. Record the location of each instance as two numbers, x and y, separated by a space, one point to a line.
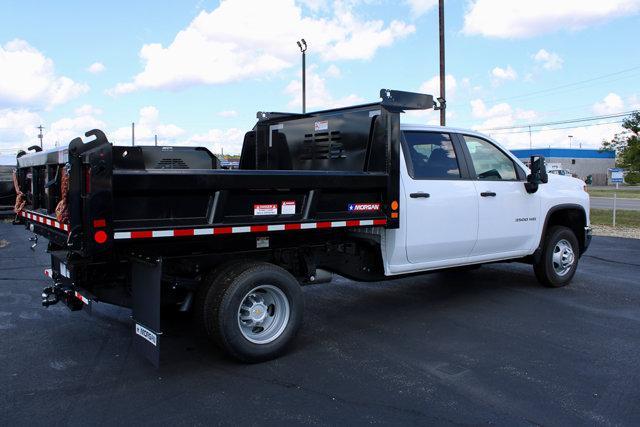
623 218
627 194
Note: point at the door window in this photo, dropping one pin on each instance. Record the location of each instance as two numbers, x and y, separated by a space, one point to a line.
490 163
430 155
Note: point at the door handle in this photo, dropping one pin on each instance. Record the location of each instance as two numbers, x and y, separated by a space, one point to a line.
420 194
488 194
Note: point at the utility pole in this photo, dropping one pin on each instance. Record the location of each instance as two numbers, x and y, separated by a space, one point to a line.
303 48
442 99
156 139
530 138
40 134
570 138
133 134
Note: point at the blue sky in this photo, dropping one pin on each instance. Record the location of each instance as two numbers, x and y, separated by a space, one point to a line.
195 72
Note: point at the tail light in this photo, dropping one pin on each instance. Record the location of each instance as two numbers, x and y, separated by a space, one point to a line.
100 236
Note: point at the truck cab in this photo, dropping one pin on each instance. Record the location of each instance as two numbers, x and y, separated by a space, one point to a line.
465 202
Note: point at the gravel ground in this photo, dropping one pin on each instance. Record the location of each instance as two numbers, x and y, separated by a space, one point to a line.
607 230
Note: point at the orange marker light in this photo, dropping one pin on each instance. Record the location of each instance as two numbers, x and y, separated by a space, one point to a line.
394 215
394 205
100 237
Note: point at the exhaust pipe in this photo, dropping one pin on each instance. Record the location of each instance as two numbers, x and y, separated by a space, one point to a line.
321 276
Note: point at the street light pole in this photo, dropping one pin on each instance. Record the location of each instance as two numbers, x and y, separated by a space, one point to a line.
570 138
303 48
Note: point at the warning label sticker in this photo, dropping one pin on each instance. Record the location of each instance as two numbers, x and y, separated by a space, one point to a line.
321 125
270 209
359 207
288 207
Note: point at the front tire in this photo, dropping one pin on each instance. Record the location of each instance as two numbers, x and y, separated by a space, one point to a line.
559 259
254 311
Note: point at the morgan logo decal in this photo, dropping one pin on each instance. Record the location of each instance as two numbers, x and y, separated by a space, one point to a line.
359 207
146 334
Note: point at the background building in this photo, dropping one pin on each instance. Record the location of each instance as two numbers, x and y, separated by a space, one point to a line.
579 161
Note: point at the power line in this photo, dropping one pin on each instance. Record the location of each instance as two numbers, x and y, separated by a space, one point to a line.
562 122
568 85
558 128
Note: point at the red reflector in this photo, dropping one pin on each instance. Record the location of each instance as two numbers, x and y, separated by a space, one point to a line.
97 223
141 234
100 237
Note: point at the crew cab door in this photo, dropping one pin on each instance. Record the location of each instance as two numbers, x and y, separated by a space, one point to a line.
508 215
441 203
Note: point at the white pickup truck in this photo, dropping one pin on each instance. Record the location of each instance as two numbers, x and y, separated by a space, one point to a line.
466 203
348 191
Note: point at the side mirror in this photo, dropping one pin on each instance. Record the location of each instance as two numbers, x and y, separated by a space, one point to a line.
538 174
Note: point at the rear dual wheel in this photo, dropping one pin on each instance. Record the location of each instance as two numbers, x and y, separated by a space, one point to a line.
252 310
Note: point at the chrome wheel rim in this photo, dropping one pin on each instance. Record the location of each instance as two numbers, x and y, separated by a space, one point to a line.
263 314
563 257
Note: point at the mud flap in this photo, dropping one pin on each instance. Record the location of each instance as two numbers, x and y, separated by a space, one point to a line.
145 283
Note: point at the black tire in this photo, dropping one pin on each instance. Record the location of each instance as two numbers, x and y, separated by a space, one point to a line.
211 280
544 268
220 309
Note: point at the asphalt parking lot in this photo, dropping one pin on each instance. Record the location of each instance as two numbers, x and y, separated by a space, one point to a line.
487 346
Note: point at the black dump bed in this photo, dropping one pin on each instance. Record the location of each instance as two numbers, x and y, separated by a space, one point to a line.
328 169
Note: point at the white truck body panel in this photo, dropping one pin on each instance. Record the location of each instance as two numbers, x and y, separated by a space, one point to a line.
456 226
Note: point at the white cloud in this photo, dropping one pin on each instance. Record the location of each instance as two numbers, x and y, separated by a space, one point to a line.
318 96
314 5
62 131
96 67
28 79
432 86
610 104
587 137
528 18
228 113
146 127
218 140
479 109
87 109
17 130
333 71
549 60
420 7
246 39
504 115
504 73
